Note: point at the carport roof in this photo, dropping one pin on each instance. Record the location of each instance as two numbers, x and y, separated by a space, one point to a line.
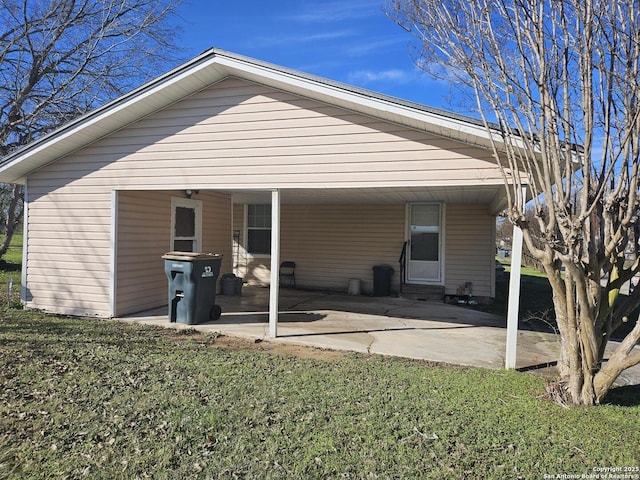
214 65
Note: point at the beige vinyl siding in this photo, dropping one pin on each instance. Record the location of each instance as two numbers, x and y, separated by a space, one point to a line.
144 230
239 252
69 256
254 269
238 133
469 250
144 233
216 227
333 243
235 134
68 253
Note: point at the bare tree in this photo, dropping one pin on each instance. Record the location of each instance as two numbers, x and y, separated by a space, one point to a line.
61 58
557 85
504 231
504 234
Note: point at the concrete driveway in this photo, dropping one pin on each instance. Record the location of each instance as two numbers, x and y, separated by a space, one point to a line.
383 325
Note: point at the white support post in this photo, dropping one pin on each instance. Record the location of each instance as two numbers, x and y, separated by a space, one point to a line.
24 297
274 286
513 303
113 267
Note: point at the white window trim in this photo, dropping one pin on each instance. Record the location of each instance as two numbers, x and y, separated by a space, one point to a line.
245 234
187 203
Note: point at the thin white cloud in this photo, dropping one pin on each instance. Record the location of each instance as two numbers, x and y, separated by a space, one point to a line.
375 46
293 39
371 76
325 36
336 11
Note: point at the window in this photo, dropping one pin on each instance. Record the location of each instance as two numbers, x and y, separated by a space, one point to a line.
425 232
186 225
259 229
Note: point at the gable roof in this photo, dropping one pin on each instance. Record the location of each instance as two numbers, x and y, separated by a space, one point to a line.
212 66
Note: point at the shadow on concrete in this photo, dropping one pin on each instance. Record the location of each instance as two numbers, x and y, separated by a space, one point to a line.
263 317
373 330
539 366
255 300
624 396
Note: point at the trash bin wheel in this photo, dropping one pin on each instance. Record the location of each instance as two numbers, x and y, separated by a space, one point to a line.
216 311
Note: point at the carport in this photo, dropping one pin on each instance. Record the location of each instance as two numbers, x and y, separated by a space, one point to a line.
490 194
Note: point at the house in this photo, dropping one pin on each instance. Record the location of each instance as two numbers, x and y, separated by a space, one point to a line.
260 163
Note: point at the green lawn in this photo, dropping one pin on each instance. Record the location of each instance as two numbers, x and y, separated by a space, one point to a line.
10 272
536 302
84 398
101 399
14 253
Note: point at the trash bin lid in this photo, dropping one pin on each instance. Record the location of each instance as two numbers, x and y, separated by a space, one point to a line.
191 256
383 268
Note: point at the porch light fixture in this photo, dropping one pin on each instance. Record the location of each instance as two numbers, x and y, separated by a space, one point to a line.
190 192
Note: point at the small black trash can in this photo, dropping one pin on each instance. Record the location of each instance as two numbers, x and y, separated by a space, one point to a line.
192 281
231 285
228 284
382 280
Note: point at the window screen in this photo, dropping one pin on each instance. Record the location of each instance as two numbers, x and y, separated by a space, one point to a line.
185 222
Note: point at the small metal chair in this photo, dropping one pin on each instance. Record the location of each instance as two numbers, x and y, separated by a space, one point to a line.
288 274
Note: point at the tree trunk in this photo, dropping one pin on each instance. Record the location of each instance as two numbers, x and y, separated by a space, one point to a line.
621 359
14 215
584 375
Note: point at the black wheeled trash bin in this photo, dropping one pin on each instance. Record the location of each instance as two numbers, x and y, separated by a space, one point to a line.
192 286
382 280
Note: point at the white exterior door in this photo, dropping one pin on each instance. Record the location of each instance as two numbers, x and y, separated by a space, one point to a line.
186 225
425 243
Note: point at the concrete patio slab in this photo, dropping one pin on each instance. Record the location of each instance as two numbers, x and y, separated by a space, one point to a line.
380 325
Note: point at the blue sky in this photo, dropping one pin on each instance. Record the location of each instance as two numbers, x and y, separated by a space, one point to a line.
350 41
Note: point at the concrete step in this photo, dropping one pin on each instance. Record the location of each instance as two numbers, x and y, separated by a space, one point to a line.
430 293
